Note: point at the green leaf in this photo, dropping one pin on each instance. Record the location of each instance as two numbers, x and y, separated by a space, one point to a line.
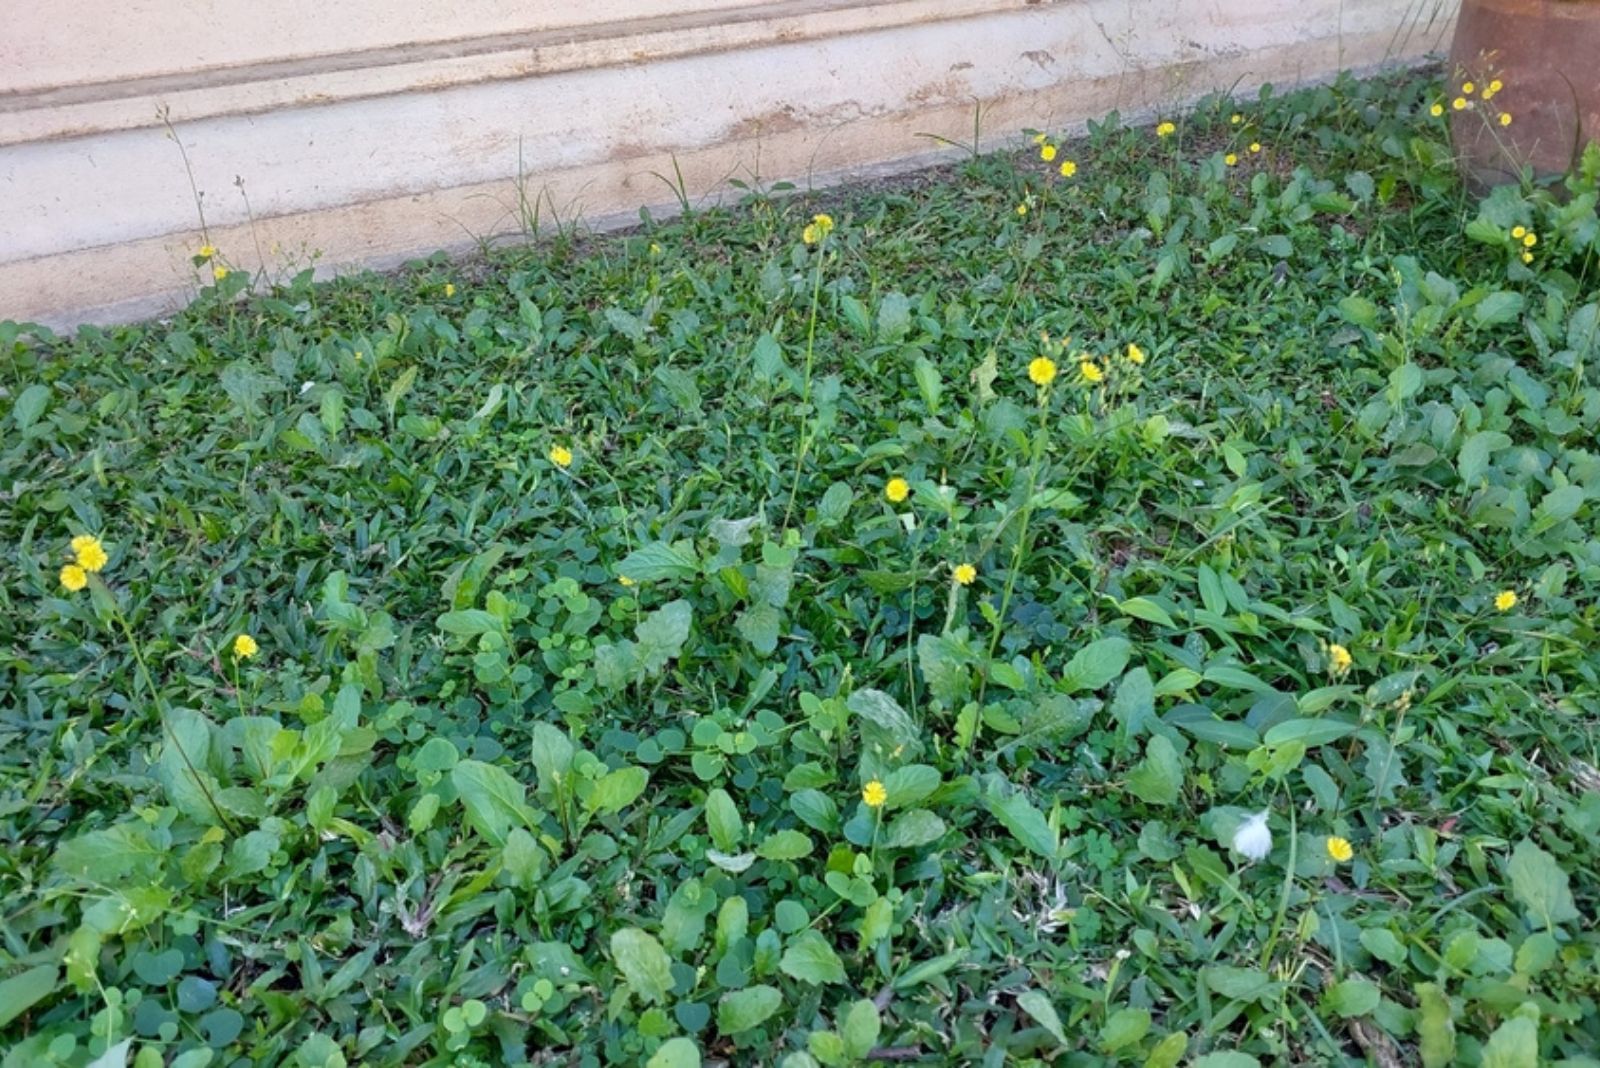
811 959
1309 732
722 820
1026 823
661 635
786 844
916 828
26 989
1538 882
742 1010
885 724
1123 1028
121 853
1096 664
1436 1029
660 561
1147 610
30 405
1158 778
494 801
929 383
860 1028
1226 1059
1501 306
1036 1003
1240 984
677 1052
616 790
1352 997
645 966
1515 1043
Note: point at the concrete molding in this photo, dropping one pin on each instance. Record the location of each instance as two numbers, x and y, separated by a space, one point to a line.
101 228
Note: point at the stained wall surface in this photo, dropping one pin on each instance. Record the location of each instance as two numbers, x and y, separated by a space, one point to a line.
364 132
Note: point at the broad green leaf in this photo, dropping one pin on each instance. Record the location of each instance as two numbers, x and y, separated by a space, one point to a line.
860 1028
741 1010
662 634
494 801
1036 1003
787 844
1501 306
1096 664
1123 1028
645 966
659 561
1436 1029
1515 1043
1540 885
1309 732
722 820
26 989
1026 823
917 827
884 723
1158 778
810 959
616 790
677 1052
1352 997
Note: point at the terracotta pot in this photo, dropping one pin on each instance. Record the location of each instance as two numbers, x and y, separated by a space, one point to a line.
1546 54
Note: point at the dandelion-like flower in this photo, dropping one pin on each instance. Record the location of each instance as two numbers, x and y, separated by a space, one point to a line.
1495 86
1468 88
1135 354
964 574
1505 601
1519 232
219 272
207 251
624 580
1339 849
1042 371
1505 118
1339 659
820 226
1022 209
1255 146
897 489
1165 129
1530 239
1436 110
1459 103
874 794
89 553
1527 257
1253 838
1091 371
244 647
561 456
1047 153
1068 168
74 578
449 289
1235 118
1230 159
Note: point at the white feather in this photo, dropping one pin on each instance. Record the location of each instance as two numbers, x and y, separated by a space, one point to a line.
1253 839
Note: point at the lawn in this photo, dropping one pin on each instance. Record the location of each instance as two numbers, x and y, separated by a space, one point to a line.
1144 615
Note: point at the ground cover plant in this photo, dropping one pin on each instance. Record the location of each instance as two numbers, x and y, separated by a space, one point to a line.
1129 601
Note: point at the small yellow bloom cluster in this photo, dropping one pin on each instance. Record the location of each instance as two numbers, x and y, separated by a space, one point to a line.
1165 129
88 556
874 794
1042 370
1235 119
1047 152
817 230
449 290
964 574
1505 600
244 647
1340 849
1230 159
561 456
1339 660
1091 372
1255 146
897 489
1528 239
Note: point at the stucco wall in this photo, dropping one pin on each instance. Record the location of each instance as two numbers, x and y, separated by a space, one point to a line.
366 131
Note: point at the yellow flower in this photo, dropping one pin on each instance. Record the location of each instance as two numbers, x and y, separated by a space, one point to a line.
1505 118
823 224
625 580
1527 257
207 251
1038 138
1339 849
1042 371
655 249
1068 168
897 489
1459 103
74 578
90 553
1091 371
1436 110
1530 239
219 272
561 456
1519 232
1467 87
1136 354
1047 153
874 794
244 647
1495 86
1505 600
1166 129
1230 159
1339 659
964 574
1236 118
1022 209
359 355
1255 146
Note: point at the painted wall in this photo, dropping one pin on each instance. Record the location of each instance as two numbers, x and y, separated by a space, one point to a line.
362 132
